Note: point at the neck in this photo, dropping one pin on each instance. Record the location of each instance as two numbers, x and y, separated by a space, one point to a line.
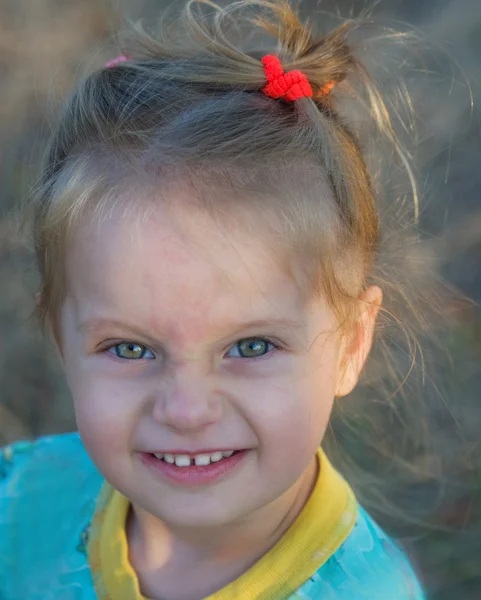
242 542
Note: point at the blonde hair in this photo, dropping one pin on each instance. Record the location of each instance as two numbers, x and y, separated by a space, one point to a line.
190 103
188 107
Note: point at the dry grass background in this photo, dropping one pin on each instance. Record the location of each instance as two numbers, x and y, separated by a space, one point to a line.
45 45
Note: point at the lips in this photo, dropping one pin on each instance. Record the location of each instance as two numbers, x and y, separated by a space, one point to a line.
188 473
201 459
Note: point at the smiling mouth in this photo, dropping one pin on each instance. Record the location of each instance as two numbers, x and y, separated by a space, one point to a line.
194 470
199 460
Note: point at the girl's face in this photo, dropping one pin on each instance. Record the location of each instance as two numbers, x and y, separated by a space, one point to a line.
193 341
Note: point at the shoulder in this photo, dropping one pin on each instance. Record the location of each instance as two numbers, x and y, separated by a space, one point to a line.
48 490
40 466
367 566
44 476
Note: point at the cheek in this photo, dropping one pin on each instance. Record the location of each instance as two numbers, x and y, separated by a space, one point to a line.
292 411
104 411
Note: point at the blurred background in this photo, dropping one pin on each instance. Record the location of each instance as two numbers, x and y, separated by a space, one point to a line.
46 45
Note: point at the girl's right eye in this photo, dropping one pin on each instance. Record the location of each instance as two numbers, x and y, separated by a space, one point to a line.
131 351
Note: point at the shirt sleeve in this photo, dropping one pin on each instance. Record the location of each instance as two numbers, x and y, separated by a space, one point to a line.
387 572
368 566
48 489
13 459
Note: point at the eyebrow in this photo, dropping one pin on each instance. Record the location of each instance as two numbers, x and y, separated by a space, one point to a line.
92 325
265 323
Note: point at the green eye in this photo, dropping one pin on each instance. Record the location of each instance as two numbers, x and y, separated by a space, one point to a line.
130 351
250 348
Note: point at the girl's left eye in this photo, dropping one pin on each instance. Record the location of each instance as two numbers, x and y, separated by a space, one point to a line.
130 351
250 348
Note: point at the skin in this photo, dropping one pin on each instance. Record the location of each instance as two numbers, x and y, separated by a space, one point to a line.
186 295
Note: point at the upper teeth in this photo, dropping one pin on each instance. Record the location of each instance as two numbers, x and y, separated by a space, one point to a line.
201 460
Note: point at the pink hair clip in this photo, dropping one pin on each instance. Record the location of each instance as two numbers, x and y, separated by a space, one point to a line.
116 61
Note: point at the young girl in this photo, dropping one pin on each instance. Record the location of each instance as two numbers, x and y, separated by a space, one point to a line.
205 234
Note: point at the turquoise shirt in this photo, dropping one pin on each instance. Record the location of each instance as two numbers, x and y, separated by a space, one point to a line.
48 492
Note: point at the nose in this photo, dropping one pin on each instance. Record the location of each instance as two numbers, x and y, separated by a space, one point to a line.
187 402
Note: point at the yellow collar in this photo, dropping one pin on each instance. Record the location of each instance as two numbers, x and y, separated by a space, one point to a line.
323 524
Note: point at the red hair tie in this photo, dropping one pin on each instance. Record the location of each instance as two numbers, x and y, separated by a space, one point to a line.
289 86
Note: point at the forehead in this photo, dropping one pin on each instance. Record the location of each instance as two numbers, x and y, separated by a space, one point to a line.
178 268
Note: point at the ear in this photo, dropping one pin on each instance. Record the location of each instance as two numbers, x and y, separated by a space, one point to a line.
356 350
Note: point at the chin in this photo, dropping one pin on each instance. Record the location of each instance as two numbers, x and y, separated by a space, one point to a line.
199 513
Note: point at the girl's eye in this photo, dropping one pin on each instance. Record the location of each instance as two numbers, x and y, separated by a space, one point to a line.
131 351
250 348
